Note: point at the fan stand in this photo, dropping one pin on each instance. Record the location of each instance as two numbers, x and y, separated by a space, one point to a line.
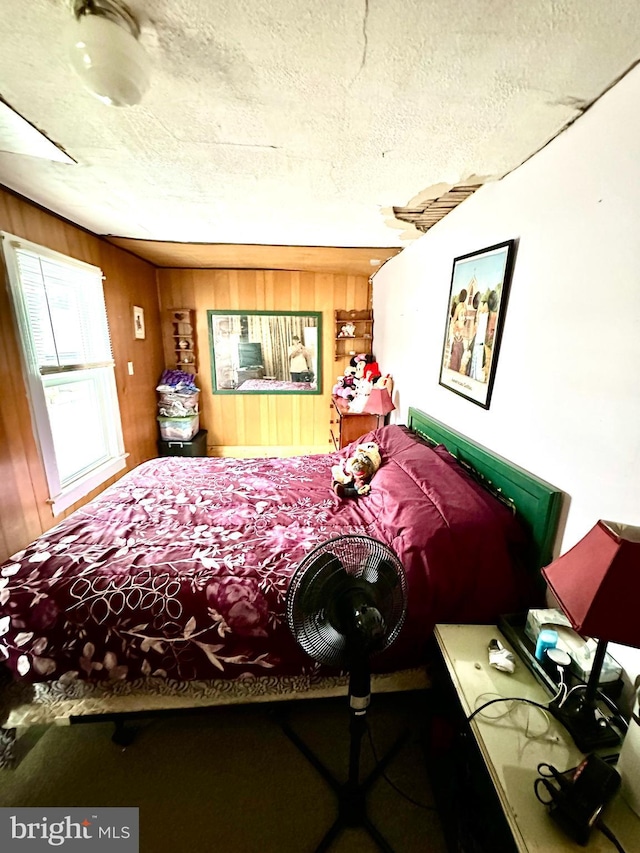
352 794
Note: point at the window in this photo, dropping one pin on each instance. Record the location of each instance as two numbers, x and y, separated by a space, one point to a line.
62 321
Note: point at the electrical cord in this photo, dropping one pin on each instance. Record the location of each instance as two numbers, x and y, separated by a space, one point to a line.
544 706
547 771
390 782
604 829
616 717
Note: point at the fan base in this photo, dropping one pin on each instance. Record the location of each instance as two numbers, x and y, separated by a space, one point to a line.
352 801
363 821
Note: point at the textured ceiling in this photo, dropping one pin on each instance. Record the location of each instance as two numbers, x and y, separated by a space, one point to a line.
295 123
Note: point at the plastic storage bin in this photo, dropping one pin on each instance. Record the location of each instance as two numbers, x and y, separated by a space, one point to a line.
179 429
177 404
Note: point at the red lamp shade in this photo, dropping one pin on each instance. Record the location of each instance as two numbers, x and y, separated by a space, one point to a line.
597 583
379 402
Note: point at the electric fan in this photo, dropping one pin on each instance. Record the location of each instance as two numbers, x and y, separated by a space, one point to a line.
346 602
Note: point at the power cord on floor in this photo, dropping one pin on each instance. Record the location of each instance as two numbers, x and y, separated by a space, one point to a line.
390 782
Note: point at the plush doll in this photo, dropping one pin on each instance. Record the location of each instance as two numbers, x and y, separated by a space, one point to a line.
358 364
366 367
352 476
338 388
347 331
385 381
372 369
345 388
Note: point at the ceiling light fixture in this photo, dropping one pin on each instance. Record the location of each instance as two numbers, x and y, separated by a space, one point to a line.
106 53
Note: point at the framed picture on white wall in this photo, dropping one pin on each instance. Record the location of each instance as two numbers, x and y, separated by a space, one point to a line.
475 317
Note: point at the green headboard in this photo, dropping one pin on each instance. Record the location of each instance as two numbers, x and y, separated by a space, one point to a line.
538 503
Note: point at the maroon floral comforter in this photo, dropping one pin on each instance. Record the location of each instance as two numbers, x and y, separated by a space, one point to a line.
181 568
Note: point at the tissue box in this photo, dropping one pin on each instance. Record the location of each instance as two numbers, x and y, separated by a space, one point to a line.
581 650
539 619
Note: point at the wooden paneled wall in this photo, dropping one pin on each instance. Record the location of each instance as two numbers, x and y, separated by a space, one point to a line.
238 425
262 424
24 513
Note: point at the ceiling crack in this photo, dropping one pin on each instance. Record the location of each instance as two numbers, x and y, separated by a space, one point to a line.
365 41
247 145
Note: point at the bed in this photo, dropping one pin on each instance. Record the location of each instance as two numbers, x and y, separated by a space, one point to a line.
271 385
167 591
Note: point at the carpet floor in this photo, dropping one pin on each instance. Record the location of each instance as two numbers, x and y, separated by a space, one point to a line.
231 780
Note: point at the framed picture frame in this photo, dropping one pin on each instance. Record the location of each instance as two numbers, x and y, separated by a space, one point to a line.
478 295
138 323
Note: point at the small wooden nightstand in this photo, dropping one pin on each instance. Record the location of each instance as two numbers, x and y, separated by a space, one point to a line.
509 756
351 425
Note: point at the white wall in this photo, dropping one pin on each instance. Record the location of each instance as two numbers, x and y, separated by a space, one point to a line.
566 399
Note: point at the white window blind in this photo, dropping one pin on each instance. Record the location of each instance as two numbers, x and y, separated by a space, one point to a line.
62 320
65 306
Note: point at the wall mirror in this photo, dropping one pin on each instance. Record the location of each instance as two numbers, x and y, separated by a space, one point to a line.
266 352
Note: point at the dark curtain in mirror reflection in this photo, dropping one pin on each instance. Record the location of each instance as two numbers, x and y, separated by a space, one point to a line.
276 334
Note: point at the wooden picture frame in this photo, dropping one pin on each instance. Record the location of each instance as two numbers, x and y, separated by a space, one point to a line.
478 295
138 323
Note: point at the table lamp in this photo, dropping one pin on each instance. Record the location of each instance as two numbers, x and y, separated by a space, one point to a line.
597 585
379 402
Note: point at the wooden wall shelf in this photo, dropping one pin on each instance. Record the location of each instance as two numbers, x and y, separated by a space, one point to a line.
183 334
362 338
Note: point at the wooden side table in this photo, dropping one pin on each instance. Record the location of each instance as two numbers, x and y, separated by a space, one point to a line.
350 425
510 754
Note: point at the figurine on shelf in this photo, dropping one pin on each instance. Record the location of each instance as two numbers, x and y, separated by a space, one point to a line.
184 344
347 331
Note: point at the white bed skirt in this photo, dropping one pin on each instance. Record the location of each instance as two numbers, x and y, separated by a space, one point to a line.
64 703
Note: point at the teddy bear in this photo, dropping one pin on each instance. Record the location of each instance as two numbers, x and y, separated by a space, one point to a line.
352 476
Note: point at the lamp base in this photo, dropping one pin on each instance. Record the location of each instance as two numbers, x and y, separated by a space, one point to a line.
588 728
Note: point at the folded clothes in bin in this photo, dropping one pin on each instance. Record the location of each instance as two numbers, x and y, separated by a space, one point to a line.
179 429
178 405
177 395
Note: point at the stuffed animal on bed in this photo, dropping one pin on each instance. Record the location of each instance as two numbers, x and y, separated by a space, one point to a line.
353 475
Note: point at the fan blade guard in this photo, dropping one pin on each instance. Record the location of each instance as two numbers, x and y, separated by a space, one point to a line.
347 599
